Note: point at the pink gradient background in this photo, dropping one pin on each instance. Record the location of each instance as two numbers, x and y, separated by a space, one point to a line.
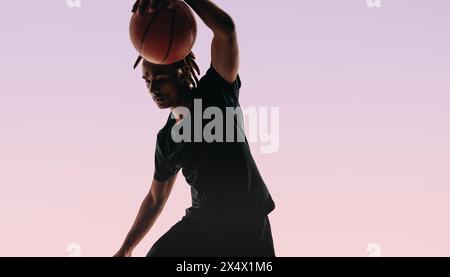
364 137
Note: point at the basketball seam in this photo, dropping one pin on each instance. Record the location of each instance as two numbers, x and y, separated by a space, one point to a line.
172 29
144 37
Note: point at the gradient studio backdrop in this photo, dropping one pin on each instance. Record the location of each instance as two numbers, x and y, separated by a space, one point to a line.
363 166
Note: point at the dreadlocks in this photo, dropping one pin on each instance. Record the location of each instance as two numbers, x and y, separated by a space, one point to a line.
187 68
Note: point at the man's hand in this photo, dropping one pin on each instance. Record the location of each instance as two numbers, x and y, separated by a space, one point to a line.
151 5
122 253
149 211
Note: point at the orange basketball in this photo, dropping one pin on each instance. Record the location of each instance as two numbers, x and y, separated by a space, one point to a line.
165 36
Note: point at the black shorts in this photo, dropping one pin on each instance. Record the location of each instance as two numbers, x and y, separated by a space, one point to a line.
250 237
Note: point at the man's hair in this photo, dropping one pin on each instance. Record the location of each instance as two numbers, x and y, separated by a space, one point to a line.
187 67
189 70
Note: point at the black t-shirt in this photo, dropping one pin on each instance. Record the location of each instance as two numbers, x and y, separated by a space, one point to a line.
223 176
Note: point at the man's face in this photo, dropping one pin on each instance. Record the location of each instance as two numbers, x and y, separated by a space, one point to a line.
163 83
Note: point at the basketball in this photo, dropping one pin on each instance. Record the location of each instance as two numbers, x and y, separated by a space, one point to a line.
165 36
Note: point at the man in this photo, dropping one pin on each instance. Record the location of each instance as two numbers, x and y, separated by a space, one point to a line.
230 201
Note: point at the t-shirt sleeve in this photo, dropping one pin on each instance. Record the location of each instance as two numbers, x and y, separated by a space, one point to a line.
212 86
163 169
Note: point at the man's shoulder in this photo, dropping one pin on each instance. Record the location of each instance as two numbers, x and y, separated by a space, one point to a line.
213 84
213 78
165 130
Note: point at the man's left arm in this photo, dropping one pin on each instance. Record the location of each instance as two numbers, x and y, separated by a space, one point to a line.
224 46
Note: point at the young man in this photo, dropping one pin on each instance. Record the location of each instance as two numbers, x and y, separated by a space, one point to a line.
230 201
